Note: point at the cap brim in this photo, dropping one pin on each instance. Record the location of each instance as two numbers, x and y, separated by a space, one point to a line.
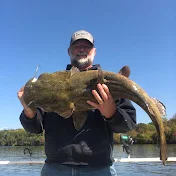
81 39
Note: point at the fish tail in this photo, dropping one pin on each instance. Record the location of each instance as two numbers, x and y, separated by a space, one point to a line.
163 149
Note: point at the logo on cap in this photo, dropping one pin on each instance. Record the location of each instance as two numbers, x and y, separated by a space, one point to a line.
82 35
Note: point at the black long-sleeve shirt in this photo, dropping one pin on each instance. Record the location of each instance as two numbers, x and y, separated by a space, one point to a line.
92 145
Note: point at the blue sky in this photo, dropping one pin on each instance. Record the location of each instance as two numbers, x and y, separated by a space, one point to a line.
137 33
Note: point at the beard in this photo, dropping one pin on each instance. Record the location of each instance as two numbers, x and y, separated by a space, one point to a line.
82 63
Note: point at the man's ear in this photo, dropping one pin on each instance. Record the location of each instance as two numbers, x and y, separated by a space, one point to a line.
69 51
94 51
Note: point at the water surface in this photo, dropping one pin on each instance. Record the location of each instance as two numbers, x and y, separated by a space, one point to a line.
123 169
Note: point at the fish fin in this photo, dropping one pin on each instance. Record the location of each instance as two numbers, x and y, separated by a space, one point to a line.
100 75
125 71
79 119
74 70
66 114
161 107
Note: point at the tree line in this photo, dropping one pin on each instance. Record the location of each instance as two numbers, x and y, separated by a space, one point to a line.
142 134
147 134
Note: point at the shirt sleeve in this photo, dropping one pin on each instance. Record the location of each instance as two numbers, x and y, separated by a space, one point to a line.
124 118
34 125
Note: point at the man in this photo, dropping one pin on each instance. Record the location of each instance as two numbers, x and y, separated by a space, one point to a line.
89 150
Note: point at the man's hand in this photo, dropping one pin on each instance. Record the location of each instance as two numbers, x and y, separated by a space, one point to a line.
106 105
28 112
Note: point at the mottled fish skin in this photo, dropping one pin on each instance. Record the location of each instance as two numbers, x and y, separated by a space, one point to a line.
153 107
125 71
68 91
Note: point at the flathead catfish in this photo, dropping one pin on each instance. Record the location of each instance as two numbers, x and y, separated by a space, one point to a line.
66 93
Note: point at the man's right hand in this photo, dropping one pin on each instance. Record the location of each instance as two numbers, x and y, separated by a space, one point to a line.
28 111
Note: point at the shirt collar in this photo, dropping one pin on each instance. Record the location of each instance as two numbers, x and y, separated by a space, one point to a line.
94 67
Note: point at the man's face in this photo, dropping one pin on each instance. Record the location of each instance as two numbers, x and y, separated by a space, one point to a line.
82 54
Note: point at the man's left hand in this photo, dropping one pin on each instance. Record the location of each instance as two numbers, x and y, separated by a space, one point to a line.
106 104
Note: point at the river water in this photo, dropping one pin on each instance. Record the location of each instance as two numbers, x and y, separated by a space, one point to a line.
123 169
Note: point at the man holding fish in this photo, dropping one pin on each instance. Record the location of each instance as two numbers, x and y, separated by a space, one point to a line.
88 149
